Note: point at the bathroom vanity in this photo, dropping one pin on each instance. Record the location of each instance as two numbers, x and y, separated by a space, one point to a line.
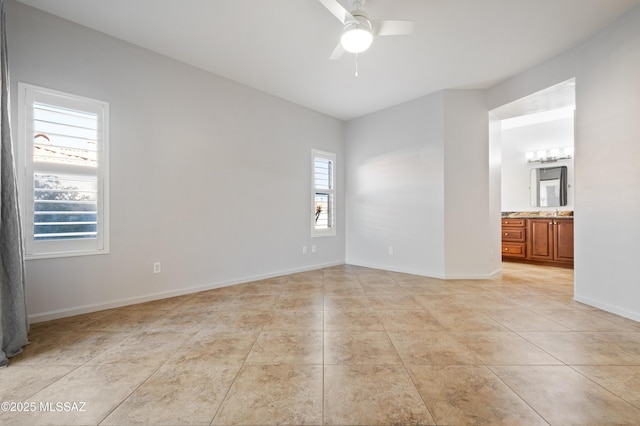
544 238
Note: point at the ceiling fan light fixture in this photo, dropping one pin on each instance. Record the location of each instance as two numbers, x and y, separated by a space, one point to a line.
356 38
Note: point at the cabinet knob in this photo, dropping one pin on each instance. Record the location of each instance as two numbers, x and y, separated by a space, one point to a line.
506 233
506 249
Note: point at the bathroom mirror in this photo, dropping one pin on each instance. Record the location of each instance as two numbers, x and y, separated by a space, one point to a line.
549 186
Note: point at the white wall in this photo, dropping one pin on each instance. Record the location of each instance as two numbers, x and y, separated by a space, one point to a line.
468 246
414 173
607 155
516 172
608 169
395 188
209 177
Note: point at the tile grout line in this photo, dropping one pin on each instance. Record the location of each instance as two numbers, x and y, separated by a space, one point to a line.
131 393
322 405
406 369
516 393
235 377
637 407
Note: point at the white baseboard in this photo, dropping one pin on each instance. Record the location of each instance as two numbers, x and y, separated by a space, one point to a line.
427 273
632 315
95 307
393 269
85 309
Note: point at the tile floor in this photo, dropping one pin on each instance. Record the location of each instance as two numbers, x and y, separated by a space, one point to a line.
340 346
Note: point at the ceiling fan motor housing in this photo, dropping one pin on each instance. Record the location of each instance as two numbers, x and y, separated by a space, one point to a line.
361 21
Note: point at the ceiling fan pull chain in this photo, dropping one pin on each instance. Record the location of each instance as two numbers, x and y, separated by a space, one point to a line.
356 65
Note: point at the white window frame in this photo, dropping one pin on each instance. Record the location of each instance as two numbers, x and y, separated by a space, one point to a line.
331 229
41 249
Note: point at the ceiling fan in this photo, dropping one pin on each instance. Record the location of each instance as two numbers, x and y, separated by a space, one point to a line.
359 30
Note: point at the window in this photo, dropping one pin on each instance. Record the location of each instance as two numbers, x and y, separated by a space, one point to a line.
64 149
323 183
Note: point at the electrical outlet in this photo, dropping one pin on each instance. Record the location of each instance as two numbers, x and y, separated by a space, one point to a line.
156 268
313 248
390 250
304 249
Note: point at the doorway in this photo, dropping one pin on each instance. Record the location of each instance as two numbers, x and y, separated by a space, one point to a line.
536 133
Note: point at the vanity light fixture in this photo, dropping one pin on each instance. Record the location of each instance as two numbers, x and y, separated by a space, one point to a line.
553 155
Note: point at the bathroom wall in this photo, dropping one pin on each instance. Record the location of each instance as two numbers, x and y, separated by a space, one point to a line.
516 172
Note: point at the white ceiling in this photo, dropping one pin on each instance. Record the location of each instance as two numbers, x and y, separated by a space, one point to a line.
281 46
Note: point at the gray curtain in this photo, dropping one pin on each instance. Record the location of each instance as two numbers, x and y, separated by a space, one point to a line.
563 186
14 324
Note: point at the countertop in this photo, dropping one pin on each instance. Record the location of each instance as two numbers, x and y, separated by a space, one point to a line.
566 214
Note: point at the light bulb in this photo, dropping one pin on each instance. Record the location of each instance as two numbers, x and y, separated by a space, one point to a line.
356 39
554 152
528 156
541 154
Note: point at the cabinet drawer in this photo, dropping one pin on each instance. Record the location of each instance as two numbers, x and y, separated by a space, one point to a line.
513 234
513 222
513 250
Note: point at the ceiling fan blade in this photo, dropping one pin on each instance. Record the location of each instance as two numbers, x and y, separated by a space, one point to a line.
337 52
385 28
338 11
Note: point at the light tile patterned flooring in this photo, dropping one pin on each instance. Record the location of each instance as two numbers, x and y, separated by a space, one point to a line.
340 346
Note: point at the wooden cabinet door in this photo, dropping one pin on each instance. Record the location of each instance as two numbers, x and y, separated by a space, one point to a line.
563 236
540 239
